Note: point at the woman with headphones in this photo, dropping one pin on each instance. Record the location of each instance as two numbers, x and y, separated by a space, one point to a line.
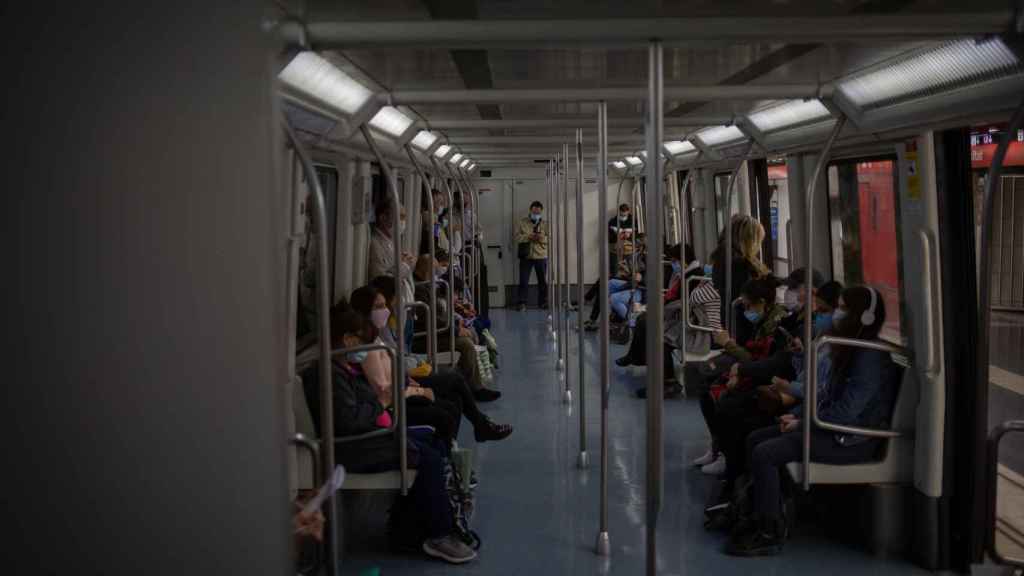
856 387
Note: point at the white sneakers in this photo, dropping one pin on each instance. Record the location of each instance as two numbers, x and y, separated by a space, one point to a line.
711 463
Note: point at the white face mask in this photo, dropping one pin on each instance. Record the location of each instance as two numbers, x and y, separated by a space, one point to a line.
792 300
379 317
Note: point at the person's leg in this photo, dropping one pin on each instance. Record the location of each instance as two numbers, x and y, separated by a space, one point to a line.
524 280
542 281
467 362
637 354
452 386
765 460
620 303
617 285
423 412
428 492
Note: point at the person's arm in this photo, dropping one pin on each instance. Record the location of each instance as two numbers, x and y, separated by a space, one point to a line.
377 368
353 413
673 290
863 385
542 234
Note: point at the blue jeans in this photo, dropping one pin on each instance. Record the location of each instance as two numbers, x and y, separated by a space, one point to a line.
541 266
620 301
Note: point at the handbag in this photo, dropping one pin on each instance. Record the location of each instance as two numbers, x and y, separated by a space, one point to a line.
524 247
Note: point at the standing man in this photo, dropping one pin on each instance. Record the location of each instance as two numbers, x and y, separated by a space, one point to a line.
532 245
620 233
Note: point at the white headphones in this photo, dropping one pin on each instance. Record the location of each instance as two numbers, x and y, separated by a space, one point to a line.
868 317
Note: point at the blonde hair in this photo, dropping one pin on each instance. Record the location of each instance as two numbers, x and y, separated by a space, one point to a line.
747 236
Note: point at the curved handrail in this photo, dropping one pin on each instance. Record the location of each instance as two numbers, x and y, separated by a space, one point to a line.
451 260
811 394
429 334
432 250
686 307
994 438
809 355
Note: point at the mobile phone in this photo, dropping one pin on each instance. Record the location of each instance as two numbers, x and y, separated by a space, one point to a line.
789 337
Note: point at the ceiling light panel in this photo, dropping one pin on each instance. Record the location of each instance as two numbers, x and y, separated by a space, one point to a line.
793 113
456 158
464 163
619 164
312 75
442 150
634 160
424 140
952 65
676 147
391 121
721 135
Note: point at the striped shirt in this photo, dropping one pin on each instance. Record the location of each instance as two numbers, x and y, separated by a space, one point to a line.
706 299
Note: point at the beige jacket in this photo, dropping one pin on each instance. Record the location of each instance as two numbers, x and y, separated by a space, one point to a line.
538 248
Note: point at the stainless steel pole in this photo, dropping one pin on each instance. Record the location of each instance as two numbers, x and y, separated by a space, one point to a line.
323 299
809 355
462 223
563 268
580 383
603 541
555 259
655 303
451 264
684 292
396 241
432 315
550 283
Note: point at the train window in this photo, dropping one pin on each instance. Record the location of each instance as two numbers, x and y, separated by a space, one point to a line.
778 187
863 212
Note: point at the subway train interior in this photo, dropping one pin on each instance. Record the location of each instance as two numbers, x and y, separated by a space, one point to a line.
516 287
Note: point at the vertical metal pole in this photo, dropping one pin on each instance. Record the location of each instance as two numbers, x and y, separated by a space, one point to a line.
655 304
555 261
684 291
565 295
809 355
396 216
603 541
984 285
728 320
432 316
551 284
451 264
323 316
462 223
580 384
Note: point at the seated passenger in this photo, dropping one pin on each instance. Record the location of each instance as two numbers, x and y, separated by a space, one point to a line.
856 387
382 248
761 311
619 281
358 410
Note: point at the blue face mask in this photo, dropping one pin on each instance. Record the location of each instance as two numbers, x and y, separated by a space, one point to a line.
676 267
822 323
357 357
535 217
838 316
708 269
752 316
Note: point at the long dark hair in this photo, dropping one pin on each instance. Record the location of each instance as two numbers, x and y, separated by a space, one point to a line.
858 301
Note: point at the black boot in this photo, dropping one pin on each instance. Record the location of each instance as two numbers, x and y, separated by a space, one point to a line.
765 538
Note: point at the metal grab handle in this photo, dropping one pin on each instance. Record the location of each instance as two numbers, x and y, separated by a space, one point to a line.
450 284
396 209
994 438
811 393
432 250
301 441
931 369
809 354
424 306
686 307
790 246
448 291
323 299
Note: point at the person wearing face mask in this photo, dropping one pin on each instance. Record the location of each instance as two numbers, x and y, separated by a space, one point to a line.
449 388
382 249
358 409
532 241
856 387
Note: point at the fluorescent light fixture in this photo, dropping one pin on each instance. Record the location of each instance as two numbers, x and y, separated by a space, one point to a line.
951 65
619 164
634 160
792 113
424 140
720 135
677 147
465 163
312 75
471 167
455 159
391 121
442 151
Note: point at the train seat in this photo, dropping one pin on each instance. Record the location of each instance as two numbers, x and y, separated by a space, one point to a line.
896 458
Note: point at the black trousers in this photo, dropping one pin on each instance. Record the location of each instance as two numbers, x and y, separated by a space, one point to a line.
638 348
451 387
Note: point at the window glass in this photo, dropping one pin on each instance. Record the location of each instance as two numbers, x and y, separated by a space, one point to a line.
863 212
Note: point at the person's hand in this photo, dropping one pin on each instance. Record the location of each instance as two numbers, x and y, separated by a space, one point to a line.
408 258
788 423
781 385
419 391
638 277
733 380
796 346
721 337
734 370
309 524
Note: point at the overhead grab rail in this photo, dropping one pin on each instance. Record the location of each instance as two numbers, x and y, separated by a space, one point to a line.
432 248
323 299
810 352
396 210
992 469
